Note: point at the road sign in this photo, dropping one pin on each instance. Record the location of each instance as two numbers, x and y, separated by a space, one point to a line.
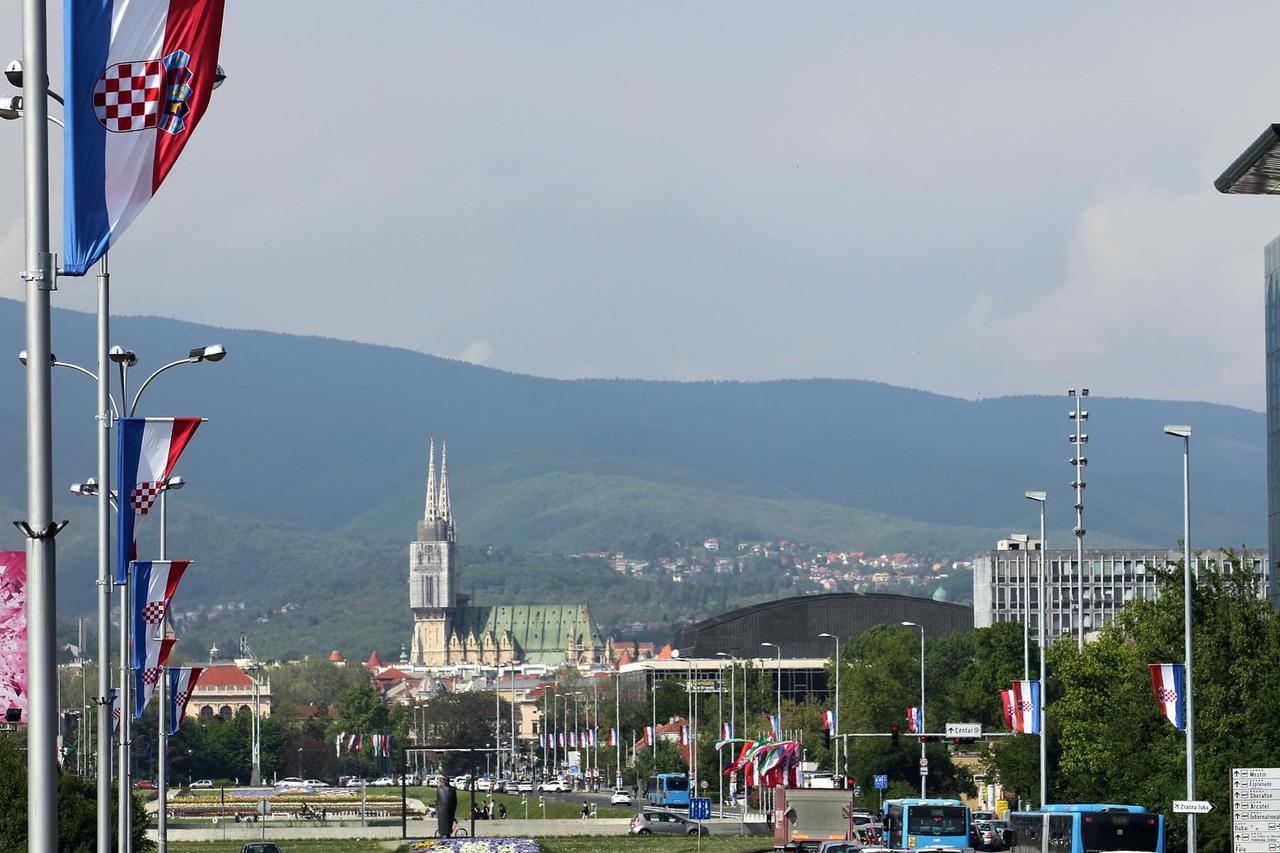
1255 809
882 781
924 769
700 808
964 729
857 790
1192 806
924 762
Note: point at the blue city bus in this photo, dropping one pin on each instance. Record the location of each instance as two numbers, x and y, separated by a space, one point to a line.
1086 828
668 789
912 823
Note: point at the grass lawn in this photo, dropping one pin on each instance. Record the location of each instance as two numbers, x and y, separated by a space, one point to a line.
342 845
586 844
515 809
579 844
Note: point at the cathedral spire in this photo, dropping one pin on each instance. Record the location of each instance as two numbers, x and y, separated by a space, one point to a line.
444 507
432 511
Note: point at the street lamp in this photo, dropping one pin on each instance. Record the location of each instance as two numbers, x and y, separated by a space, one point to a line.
1184 432
1040 497
835 664
778 730
923 777
1079 439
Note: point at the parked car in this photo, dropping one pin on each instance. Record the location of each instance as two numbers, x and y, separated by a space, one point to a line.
554 785
621 797
260 847
145 785
383 782
484 785
462 782
202 783
525 787
664 823
316 783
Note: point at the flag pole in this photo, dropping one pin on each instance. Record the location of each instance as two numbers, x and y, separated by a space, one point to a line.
38 276
104 557
162 777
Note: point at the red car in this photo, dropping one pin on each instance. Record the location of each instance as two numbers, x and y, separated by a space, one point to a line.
145 784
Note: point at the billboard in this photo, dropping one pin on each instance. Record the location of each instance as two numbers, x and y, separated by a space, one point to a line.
13 633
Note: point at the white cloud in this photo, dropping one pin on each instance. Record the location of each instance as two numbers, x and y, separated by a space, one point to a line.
1162 298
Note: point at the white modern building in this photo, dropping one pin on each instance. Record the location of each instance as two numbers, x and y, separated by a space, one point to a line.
1005 582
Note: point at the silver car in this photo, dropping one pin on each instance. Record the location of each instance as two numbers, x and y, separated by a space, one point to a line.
650 822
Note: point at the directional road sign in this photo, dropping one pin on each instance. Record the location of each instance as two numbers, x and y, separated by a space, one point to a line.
1255 809
882 781
964 729
1192 806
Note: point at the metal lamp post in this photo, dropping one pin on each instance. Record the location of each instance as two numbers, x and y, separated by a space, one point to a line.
1024 563
923 777
1184 432
1042 635
778 649
836 726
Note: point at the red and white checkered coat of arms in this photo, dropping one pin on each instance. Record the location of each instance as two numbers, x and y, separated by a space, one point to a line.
128 96
143 497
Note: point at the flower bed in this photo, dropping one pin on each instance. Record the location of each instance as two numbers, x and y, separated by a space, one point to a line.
477 845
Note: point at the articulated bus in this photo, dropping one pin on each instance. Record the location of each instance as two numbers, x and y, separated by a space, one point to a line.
913 823
668 789
1087 828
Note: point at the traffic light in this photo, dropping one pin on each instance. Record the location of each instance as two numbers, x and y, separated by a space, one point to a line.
894 732
925 738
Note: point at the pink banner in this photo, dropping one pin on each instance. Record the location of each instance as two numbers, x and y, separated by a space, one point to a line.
13 632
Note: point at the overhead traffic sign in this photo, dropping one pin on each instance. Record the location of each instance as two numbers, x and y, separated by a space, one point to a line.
1192 806
964 729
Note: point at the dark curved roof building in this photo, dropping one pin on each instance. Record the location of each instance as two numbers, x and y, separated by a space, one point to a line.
795 623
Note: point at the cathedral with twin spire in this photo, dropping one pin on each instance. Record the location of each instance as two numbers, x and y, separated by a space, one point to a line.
448 630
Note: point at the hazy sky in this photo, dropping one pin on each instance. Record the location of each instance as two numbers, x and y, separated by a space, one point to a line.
980 198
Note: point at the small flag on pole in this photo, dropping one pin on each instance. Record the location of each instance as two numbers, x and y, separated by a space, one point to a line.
1026 706
829 720
148 450
1169 680
182 680
726 731
648 735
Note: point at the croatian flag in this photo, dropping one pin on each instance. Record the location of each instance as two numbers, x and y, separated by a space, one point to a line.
613 737
726 731
1026 707
915 721
1169 680
182 680
542 740
1006 699
573 740
560 737
829 721
648 735
115 710
684 735
592 733
138 76
155 582
146 678
149 448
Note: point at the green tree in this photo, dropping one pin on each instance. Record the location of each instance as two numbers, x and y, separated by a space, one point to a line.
77 807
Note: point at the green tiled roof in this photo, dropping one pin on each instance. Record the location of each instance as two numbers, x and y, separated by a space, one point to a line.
542 633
